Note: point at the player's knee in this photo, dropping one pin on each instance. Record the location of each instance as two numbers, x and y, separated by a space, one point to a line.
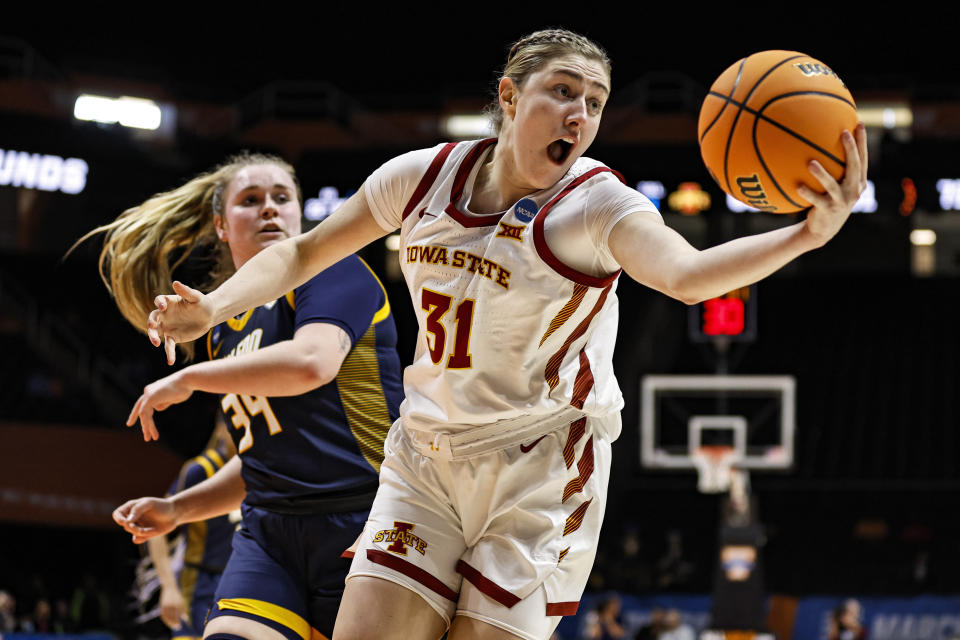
467 628
378 609
237 628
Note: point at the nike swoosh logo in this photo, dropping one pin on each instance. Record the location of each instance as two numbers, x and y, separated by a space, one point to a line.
424 212
527 448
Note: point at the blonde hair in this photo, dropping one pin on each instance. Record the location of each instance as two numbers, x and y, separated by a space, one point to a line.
146 243
531 52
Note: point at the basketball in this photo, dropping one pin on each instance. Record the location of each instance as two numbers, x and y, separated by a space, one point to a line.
765 118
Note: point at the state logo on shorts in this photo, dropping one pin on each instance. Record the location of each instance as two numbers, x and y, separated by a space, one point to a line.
400 537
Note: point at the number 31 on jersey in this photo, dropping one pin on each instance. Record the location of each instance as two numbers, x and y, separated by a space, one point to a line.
436 305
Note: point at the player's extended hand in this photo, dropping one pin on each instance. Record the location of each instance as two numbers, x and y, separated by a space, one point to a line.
146 518
173 610
157 396
181 317
831 209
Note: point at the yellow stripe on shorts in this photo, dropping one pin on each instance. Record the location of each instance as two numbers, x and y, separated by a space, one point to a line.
269 611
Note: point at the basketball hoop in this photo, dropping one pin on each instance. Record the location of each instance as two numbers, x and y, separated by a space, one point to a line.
714 465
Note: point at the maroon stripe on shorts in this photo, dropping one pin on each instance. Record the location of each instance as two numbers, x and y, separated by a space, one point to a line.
585 470
486 586
347 554
562 608
576 518
577 429
411 570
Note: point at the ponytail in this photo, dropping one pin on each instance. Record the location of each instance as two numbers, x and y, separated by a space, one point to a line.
146 243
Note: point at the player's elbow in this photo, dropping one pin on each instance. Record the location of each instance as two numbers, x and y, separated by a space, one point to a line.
690 297
685 286
678 291
316 371
678 274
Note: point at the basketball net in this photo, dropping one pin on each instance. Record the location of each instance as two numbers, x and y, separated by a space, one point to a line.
715 467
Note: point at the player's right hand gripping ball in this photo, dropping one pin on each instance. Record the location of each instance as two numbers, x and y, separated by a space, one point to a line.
765 118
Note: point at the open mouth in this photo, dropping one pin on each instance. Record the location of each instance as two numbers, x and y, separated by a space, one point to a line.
559 151
271 228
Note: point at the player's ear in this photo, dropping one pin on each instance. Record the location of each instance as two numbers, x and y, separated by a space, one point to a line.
220 225
508 92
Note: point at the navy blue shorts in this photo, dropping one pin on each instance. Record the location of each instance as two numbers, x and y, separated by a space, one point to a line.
286 571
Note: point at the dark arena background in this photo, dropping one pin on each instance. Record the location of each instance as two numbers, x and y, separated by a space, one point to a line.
864 503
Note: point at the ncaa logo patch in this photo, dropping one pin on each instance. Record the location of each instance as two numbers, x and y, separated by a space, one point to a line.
525 210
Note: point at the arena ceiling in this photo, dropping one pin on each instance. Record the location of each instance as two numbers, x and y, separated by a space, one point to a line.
421 53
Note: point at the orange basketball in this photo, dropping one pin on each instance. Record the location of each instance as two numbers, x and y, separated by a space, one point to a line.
765 119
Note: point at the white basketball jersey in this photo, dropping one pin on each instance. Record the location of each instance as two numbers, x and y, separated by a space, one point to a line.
506 329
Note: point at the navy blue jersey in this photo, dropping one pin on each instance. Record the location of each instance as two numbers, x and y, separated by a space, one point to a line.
206 546
208 541
319 450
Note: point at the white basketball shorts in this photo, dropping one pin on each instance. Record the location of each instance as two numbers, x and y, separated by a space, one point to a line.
506 536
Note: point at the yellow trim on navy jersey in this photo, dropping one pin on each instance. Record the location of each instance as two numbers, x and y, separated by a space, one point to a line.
182 476
269 611
192 556
383 311
291 299
210 344
215 458
364 402
382 314
237 324
203 462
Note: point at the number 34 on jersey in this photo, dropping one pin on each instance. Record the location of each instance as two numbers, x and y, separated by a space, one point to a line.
241 408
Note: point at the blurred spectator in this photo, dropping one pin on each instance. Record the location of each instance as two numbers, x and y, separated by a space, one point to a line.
739 596
921 569
42 619
603 623
846 622
8 619
653 629
631 573
675 628
674 570
90 608
598 575
61 617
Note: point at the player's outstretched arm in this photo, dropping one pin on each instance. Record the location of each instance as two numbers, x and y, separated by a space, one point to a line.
654 255
188 314
218 495
288 368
